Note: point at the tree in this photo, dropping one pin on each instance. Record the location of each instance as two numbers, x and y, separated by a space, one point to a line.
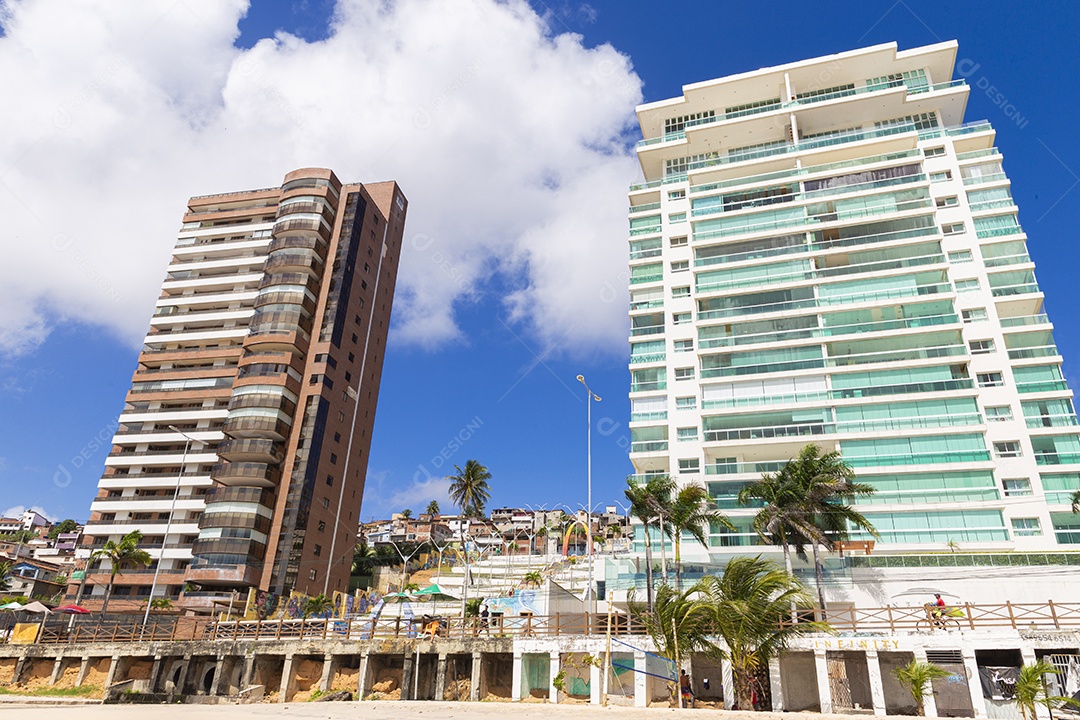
1030 689
64 526
781 521
693 511
120 554
319 605
823 483
533 578
679 623
1076 502
161 603
406 514
469 489
644 498
364 557
751 604
432 508
916 677
6 568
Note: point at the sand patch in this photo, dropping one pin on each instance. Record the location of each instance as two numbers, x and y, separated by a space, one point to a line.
69 674
7 670
345 679
458 690
36 674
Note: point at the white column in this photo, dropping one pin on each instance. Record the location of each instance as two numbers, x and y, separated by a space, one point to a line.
595 681
776 688
877 688
978 703
515 690
821 668
929 702
641 681
553 670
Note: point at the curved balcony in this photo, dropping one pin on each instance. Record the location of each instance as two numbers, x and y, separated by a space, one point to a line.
294 262
261 496
313 228
272 338
245 473
253 427
270 401
223 574
294 319
290 278
236 524
250 450
297 242
305 207
286 298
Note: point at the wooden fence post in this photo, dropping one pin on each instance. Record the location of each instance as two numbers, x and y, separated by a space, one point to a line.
1053 614
1012 618
970 615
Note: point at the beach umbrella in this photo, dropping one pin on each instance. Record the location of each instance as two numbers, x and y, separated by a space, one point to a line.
11 606
72 610
35 607
434 592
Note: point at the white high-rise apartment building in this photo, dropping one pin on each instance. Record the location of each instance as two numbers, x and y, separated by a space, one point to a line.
825 252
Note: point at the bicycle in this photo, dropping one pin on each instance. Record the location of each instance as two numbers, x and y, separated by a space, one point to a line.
937 618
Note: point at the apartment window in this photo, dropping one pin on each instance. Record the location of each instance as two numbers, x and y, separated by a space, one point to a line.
684 346
952 229
317 550
947 202
313 574
680 266
340 416
941 176
999 413
337 437
681 318
676 194
1007 448
326 503
685 434
1016 487
322 525
686 403
973 315
678 241
684 373
689 465
981 347
960 256
991 379
676 217
934 151
330 480
333 459
355 337
1026 527
680 292
967 285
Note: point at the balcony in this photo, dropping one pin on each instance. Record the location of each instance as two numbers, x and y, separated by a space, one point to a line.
269 401
650 446
286 298
771 432
275 338
301 226
297 242
245 473
647 358
294 262
1051 421
223 575
1042 386
957 456
241 494
251 450
1028 353
253 427
290 278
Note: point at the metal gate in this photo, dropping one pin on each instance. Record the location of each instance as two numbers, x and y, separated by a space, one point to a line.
839 685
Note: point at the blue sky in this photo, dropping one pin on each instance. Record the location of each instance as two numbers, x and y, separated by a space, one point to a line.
489 373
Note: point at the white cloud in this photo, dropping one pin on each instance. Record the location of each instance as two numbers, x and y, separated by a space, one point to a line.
17 511
380 499
508 139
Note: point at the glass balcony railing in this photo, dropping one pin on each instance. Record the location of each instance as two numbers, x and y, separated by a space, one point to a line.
736 370
954 456
999 232
988 152
770 432
1041 386
641 279
648 416
835 331
792 399
737 468
890 294
904 389
756 309
1007 260
642 254
1025 320
647 358
1055 458
651 446
909 423
1007 290
647 330
991 204
646 304
651 229
898 355
648 386
989 178
1033 352
645 207
1048 421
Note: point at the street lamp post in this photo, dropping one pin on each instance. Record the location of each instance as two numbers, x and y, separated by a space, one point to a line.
168 523
591 396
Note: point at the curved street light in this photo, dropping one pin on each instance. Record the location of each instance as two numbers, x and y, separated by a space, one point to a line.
590 398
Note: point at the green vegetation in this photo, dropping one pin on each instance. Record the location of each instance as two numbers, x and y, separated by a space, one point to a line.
1031 690
645 499
318 605
120 554
81 691
469 489
64 526
406 514
916 677
692 511
432 508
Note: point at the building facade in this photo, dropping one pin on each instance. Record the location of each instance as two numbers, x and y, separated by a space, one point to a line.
242 448
826 252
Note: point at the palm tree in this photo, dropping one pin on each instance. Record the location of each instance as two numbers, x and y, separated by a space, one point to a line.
406 514
1030 689
318 605
679 623
6 568
363 559
534 578
692 511
120 554
751 605
1076 502
917 677
812 490
469 489
432 508
781 520
643 498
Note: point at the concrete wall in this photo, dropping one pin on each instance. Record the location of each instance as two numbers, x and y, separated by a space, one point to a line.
798 677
